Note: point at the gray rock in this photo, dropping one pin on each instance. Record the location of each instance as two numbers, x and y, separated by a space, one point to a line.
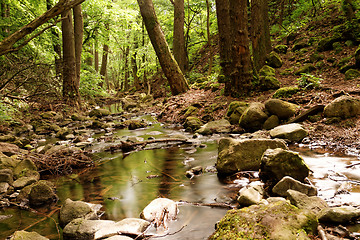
289 183
160 210
243 155
24 181
129 226
293 132
23 235
278 163
6 175
282 109
272 122
254 117
343 107
278 220
250 195
119 237
83 229
9 149
339 215
4 186
71 210
219 126
302 201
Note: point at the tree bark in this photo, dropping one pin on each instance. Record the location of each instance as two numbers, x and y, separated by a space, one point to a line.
78 34
96 56
260 33
126 69
7 45
208 36
134 65
70 90
241 74
179 37
176 79
223 19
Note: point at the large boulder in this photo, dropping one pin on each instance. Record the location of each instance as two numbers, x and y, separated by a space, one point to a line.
23 235
24 167
343 107
243 155
292 132
282 109
71 210
219 126
159 211
278 163
339 215
254 117
269 82
192 123
278 220
287 183
302 201
41 193
274 60
235 110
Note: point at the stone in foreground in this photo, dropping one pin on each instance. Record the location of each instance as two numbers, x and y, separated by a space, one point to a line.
278 220
339 215
293 132
343 107
23 235
302 201
243 155
289 183
159 211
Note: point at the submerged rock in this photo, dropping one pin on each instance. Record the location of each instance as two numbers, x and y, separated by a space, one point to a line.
23 235
71 210
243 155
278 220
293 132
278 163
159 211
289 183
339 214
343 107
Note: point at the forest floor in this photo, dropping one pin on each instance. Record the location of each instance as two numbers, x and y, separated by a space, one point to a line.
338 136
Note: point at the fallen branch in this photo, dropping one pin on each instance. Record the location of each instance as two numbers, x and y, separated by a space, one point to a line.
214 205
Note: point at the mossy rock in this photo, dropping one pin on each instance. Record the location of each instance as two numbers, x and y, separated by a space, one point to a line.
344 61
23 167
99 112
23 235
326 44
42 193
254 117
337 47
48 115
316 57
300 45
278 220
281 49
282 109
235 106
63 132
267 71
343 107
307 68
286 92
274 60
271 122
352 74
135 124
78 117
190 111
192 124
269 82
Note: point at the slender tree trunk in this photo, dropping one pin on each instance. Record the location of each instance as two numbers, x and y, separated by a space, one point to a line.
179 38
78 33
208 36
134 65
104 61
260 34
126 69
176 79
223 19
96 56
70 91
4 14
241 74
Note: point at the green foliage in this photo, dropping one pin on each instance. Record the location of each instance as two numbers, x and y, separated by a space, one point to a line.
308 81
90 85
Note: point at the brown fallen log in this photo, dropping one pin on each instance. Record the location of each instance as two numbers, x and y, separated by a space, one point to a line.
304 115
132 146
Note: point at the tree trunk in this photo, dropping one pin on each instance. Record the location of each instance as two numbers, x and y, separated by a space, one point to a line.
134 65
7 44
70 91
223 19
241 74
260 33
96 56
78 33
208 36
104 61
179 38
176 79
126 69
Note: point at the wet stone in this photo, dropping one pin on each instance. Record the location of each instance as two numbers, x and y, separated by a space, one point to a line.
302 201
339 214
23 235
289 183
23 182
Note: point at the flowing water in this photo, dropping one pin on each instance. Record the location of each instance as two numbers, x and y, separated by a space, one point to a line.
125 185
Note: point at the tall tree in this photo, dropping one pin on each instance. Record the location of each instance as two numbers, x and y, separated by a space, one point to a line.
176 79
78 35
260 32
179 37
70 88
208 35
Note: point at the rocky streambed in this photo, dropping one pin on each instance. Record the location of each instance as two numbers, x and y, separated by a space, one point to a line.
126 161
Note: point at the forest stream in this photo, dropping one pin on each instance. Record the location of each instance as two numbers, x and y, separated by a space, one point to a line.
124 185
